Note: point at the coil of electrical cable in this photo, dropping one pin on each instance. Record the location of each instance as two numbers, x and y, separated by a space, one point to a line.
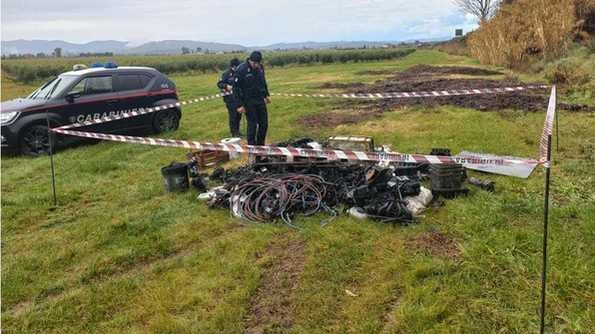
258 198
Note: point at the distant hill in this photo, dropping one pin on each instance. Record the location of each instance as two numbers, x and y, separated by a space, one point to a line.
325 45
22 46
166 47
175 47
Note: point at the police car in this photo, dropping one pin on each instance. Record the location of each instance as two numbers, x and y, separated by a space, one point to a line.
85 94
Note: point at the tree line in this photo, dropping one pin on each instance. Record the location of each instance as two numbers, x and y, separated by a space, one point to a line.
27 70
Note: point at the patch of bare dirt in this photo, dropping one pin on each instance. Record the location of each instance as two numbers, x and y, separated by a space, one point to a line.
375 72
530 100
271 307
339 85
338 117
427 70
432 78
436 244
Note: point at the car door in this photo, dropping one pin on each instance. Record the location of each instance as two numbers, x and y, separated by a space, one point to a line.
97 99
133 95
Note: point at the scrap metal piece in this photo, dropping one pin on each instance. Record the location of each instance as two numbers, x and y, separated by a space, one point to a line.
447 180
483 184
357 143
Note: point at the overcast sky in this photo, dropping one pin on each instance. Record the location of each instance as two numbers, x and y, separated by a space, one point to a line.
255 22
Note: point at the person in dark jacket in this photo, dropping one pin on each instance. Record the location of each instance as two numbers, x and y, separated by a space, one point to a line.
226 85
251 91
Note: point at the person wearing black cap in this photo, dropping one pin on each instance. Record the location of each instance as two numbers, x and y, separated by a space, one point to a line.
226 84
251 91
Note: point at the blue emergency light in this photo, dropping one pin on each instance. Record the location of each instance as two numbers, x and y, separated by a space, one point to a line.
109 64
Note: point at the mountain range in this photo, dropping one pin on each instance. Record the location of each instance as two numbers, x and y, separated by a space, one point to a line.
22 46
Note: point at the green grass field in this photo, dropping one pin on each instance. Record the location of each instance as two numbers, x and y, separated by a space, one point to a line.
119 255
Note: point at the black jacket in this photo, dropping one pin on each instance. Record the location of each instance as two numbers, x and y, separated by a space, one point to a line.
227 78
250 86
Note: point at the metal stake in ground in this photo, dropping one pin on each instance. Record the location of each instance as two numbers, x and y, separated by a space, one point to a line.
51 142
546 149
546 206
557 134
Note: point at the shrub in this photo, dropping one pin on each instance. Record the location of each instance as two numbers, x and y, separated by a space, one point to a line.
571 72
524 31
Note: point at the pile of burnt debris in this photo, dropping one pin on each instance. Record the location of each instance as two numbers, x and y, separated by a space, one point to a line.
271 188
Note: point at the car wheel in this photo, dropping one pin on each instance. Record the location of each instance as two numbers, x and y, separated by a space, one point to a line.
35 140
167 120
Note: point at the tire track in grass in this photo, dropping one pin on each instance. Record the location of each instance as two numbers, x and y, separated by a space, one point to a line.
375 292
271 308
334 264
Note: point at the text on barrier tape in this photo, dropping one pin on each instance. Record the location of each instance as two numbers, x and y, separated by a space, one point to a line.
297 152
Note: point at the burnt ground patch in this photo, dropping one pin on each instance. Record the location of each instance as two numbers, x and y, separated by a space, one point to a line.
427 70
418 70
433 78
271 307
375 72
436 244
530 100
339 116
339 85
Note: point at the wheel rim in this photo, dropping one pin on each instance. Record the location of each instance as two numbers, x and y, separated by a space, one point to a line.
36 141
167 122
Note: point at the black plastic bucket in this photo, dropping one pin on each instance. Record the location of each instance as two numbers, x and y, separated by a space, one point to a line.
175 176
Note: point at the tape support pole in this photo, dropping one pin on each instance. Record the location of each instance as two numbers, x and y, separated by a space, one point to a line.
546 157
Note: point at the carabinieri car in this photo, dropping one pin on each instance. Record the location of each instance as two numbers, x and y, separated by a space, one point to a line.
86 94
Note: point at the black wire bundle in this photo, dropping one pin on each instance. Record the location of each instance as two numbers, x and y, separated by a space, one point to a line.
267 191
259 198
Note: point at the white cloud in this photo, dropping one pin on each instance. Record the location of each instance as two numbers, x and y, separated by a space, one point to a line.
233 21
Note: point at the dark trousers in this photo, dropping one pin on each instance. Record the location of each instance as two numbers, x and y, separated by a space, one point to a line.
258 122
234 119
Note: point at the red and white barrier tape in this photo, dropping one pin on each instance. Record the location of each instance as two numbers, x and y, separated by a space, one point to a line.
296 152
547 129
400 95
389 95
301 152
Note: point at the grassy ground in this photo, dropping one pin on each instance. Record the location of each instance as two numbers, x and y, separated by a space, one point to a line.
119 255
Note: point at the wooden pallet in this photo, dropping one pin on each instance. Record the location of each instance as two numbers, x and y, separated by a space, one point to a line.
209 158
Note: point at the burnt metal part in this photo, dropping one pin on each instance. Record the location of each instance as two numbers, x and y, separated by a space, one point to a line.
297 143
447 180
487 185
440 151
199 183
218 174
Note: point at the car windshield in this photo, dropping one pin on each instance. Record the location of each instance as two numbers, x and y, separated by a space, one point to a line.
53 87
